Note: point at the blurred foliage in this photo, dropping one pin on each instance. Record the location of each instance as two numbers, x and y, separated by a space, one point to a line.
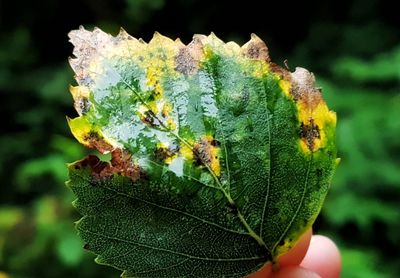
364 200
352 46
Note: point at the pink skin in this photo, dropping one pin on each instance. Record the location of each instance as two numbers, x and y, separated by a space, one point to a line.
313 256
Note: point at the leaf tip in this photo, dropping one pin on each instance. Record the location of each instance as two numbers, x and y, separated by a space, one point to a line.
215 38
199 37
158 39
179 42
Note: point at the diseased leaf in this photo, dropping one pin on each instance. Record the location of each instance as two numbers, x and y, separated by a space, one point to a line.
220 158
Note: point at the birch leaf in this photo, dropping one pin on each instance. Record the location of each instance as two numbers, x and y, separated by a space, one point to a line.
220 158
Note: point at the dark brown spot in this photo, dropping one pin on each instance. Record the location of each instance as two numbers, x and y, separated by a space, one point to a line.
232 208
163 153
185 63
214 143
150 118
309 132
86 246
82 105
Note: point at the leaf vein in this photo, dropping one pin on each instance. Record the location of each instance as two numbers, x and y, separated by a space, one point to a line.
174 210
298 207
171 251
269 177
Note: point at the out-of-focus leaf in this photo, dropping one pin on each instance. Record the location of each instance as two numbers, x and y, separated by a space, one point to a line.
51 87
220 159
140 11
53 165
3 274
361 263
369 164
69 248
66 146
9 216
338 212
384 67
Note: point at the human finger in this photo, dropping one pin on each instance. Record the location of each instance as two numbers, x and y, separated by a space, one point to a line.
323 257
294 272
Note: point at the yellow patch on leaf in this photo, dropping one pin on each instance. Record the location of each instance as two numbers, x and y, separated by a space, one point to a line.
186 152
285 87
313 113
90 136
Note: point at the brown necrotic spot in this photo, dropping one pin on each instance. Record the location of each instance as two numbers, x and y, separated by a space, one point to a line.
96 141
207 153
202 152
256 49
93 163
303 88
185 62
121 163
309 132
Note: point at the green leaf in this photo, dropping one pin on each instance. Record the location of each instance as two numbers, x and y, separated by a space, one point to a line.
362 263
220 159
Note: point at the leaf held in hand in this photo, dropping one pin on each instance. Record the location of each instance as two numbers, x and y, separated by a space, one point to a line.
220 159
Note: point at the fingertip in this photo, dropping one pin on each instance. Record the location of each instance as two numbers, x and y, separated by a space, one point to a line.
323 257
295 272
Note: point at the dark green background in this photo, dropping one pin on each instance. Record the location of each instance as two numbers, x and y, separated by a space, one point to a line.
352 46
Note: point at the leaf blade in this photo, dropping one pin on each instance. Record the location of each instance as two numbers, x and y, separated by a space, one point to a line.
91 224
210 131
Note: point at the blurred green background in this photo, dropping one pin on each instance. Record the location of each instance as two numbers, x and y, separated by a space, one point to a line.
352 46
